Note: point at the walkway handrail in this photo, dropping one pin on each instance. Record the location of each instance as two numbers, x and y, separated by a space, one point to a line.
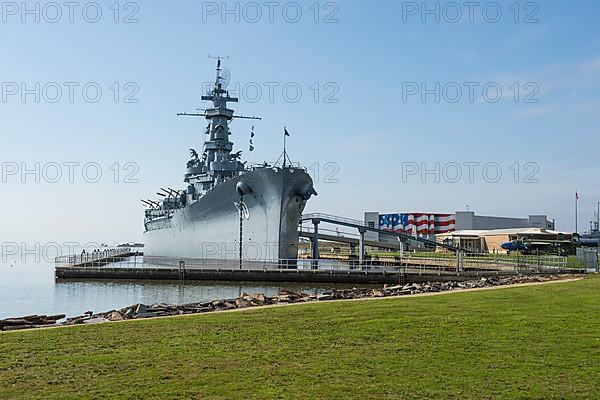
93 256
308 217
416 265
363 225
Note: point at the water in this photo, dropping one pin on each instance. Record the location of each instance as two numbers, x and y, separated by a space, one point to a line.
30 288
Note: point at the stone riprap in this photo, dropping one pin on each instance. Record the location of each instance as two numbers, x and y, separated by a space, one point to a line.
142 311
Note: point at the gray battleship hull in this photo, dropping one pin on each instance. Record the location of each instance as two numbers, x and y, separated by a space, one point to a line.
209 229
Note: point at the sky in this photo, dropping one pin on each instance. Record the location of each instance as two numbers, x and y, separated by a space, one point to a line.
393 106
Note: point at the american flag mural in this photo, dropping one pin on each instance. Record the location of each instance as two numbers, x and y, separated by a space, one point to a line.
418 224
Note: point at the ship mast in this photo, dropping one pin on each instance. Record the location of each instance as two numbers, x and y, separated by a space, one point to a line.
218 147
218 164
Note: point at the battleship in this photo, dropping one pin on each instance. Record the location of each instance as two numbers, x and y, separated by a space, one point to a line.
229 210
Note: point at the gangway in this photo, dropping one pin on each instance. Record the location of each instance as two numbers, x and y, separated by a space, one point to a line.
307 233
363 227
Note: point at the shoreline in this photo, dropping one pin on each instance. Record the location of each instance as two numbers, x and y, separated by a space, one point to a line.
288 298
406 296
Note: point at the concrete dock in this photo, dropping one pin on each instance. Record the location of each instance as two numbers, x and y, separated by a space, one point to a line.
250 275
397 275
125 264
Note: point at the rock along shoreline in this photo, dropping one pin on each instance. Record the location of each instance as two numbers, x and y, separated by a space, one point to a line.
142 311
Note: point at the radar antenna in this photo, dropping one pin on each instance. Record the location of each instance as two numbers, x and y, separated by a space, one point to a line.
218 93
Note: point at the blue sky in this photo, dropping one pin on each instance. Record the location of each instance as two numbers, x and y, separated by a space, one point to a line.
365 61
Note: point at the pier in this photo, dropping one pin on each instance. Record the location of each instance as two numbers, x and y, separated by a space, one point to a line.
452 264
404 270
96 258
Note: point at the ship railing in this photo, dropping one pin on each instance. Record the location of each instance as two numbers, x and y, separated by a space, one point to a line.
296 165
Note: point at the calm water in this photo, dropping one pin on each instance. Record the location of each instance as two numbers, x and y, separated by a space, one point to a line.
27 289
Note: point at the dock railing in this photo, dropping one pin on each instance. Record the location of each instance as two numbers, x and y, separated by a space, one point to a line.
94 258
465 266
489 261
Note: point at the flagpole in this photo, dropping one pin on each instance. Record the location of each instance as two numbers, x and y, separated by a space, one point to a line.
576 213
284 147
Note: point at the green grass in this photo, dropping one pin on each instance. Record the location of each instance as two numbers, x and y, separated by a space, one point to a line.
533 342
573 262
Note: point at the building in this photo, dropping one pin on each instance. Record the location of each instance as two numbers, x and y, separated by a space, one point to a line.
491 241
468 220
432 225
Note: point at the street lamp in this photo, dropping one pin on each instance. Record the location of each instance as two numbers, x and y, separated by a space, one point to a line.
598 234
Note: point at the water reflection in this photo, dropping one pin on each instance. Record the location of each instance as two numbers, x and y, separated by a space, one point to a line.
105 295
28 289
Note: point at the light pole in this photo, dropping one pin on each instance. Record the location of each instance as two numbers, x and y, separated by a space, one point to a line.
598 234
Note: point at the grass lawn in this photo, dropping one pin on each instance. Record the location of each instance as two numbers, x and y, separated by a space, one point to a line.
573 262
533 342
